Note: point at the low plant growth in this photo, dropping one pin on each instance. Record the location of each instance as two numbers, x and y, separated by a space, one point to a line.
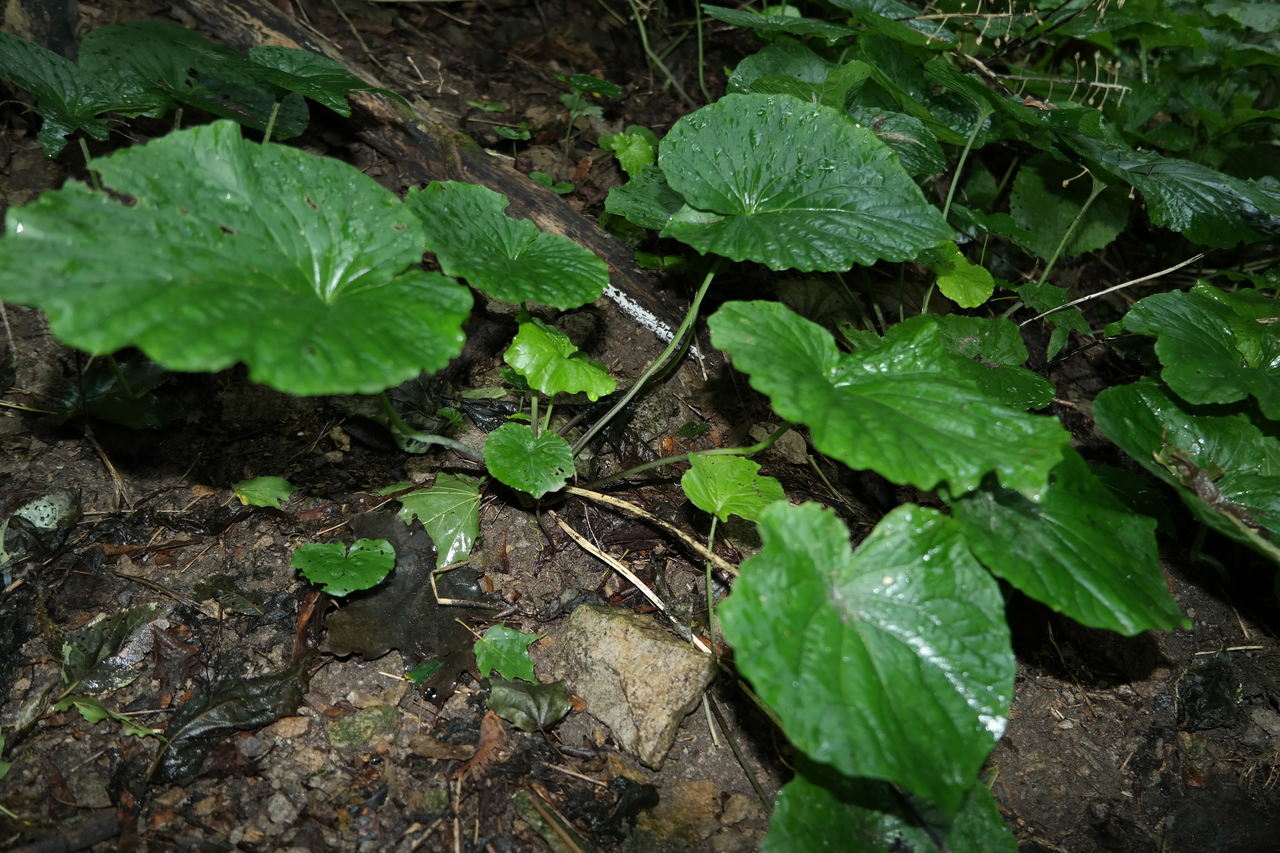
928 175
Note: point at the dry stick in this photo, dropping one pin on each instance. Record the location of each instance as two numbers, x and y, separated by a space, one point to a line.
719 562
626 573
1113 289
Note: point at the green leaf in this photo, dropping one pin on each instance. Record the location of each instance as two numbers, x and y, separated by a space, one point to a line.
528 707
1216 347
1079 550
771 23
120 392
299 266
94 712
916 147
420 673
892 661
1224 469
820 810
162 62
968 285
645 200
594 86
785 58
340 569
635 149
907 409
67 99
263 491
507 651
311 75
536 465
729 485
1205 205
450 512
1044 209
773 179
1045 297
508 259
550 362
94 658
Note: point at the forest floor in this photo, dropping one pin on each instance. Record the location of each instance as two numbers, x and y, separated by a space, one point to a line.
1165 742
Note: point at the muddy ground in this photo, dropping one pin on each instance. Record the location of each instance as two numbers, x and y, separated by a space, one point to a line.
1154 743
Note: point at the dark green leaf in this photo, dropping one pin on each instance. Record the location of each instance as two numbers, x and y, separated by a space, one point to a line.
528 707
509 259
1047 198
768 24
94 658
789 184
120 393
449 510
1078 550
892 661
311 75
645 200
67 98
729 485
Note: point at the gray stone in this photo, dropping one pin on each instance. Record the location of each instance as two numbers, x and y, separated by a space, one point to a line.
636 678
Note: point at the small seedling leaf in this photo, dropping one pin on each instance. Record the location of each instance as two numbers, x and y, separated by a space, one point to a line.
551 364
634 150
968 285
449 510
311 75
299 266
264 491
340 569
861 406
1079 550
121 394
94 712
533 464
867 656
507 651
819 805
1216 347
790 184
645 200
729 485
508 259
1224 468
423 671
594 86
529 707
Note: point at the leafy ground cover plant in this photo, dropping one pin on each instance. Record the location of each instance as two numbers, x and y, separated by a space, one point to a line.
887 665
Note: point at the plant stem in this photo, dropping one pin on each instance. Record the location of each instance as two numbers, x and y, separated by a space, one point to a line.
750 450
657 60
271 122
983 112
702 59
678 341
93 173
120 377
397 423
533 413
1095 190
711 591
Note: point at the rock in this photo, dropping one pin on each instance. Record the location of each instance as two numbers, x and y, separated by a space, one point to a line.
635 677
281 810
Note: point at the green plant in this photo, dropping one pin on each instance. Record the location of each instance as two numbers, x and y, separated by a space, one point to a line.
887 665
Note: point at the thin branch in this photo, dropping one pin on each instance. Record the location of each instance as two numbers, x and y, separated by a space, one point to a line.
1113 289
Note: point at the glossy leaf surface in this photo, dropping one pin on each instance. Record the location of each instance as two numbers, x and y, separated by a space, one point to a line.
299 266
551 364
341 569
892 661
729 485
507 651
449 510
533 464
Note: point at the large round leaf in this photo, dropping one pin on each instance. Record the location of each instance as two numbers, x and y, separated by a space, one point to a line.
790 184
509 259
534 464
892 661
301 267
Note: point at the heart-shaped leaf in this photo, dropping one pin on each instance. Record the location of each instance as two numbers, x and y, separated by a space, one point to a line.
341 570
300 266
507 651
790 184
892 661
528 707
509 259
263 491
449 510
729 485
533 464
66 98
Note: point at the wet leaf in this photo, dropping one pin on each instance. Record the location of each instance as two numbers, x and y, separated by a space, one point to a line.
1224 468
551 364
509 259
635 148
507 651
729 485
311 75
819 810
228 705
91 656
342 569
771 23
263 491
94 712
299 266
1079 550
908 409
533 464
449 510
790 184
528 707
1216 347
968 285
646 200
892 661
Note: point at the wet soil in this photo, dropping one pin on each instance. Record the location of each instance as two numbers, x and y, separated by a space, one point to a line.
1154 743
